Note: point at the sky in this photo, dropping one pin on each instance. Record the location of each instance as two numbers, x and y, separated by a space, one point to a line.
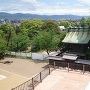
46 7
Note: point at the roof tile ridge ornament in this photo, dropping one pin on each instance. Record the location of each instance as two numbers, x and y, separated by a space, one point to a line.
78 29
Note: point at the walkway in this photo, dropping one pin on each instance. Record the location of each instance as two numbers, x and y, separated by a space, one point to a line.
63 80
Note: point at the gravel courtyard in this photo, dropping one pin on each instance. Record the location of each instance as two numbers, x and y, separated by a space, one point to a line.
18 72
23 67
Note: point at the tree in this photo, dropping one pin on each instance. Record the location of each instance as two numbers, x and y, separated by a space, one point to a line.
88 22
31 27
25 24
46 41
83 22
20 42
50 25
61 44
2 44
73 24
35 27
36 24
8 30
64 23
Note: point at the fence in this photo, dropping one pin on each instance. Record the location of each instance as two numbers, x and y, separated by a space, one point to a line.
31 55
39 56
72 66
19 54
34 81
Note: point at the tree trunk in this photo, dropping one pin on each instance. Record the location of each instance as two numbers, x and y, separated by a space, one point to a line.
48 52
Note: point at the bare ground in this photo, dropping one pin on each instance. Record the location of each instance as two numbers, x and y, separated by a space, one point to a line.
23 67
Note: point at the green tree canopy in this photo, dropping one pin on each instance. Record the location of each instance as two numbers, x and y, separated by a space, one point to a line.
9 31
64 23
2 44
26 24
46 41
88 22
31 27
73 24
20 42
50 25
35 27
83 22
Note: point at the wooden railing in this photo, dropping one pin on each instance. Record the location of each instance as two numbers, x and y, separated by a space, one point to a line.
73 66
35 80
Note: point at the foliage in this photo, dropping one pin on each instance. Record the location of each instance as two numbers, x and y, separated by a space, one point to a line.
35 28
25 24
35 46
64 23
62 35
2 42
83 22
88 22
20 42
8 30
2 46
31 27
73 24
50 25
46 41
44 36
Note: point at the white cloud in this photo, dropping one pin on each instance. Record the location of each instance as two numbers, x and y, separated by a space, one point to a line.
53 11
31 1
85 2
58 8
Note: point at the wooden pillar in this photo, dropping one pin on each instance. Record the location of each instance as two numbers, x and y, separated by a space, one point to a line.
68 67
54 64
89 68
83 69
49 70
32 84
40 77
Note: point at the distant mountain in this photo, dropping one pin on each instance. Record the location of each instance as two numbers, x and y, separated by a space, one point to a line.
4 15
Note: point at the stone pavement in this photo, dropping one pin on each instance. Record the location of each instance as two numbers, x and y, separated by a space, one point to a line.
63 80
